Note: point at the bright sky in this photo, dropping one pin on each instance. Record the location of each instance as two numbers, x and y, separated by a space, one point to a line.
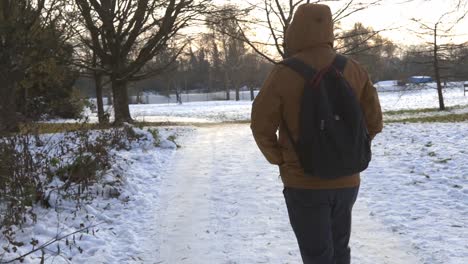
395 14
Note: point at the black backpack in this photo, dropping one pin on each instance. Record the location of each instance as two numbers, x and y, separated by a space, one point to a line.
333 137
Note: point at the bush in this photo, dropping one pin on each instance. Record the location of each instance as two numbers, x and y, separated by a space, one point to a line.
72 107
156 136
20 184
53 103
63 171
46 89
77 159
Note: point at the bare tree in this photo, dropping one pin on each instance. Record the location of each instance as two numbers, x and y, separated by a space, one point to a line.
90 67
254 72
279 16
98 77
218 23
126 34
439 31
225 30
369 48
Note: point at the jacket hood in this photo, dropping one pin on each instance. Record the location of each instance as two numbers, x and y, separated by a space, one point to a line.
312 26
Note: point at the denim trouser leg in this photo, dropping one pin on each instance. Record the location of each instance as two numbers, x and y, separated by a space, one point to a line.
321 220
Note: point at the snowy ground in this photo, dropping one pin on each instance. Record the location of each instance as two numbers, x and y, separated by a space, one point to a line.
222 111
219 111
417 186
425 98
108 219
230 209
216 200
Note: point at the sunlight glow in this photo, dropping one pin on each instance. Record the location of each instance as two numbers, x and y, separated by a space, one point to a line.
394 15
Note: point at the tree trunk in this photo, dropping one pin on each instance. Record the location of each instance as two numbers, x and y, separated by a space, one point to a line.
210 81
110 98
100 104
437 72
98 84
237 89
121 108
226 86
8 119
252 93
228 94
439 89
177 91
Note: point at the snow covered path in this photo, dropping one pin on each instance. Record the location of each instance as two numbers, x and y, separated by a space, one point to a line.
221 202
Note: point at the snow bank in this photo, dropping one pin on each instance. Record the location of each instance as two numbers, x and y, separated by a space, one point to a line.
94 231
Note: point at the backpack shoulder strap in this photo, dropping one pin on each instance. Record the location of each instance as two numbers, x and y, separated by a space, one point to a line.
340 63
300 67
308 73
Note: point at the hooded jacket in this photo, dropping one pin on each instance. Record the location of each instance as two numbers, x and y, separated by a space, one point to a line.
309 38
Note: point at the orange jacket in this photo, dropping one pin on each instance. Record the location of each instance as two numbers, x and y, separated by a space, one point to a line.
309 38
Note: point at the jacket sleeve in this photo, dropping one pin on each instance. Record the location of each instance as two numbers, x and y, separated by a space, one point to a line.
371 107
266 118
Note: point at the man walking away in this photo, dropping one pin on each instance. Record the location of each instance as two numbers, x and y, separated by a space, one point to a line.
319 199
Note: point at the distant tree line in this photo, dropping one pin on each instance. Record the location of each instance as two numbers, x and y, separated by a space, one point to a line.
220 63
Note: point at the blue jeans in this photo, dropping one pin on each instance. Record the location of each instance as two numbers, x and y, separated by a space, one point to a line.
321 220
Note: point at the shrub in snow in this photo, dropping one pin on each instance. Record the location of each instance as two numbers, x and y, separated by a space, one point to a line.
156 137
64 170
20 179
167 144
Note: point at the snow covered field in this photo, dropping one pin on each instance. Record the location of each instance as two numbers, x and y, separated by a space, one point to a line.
220 111
425 98
216 200
417 186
